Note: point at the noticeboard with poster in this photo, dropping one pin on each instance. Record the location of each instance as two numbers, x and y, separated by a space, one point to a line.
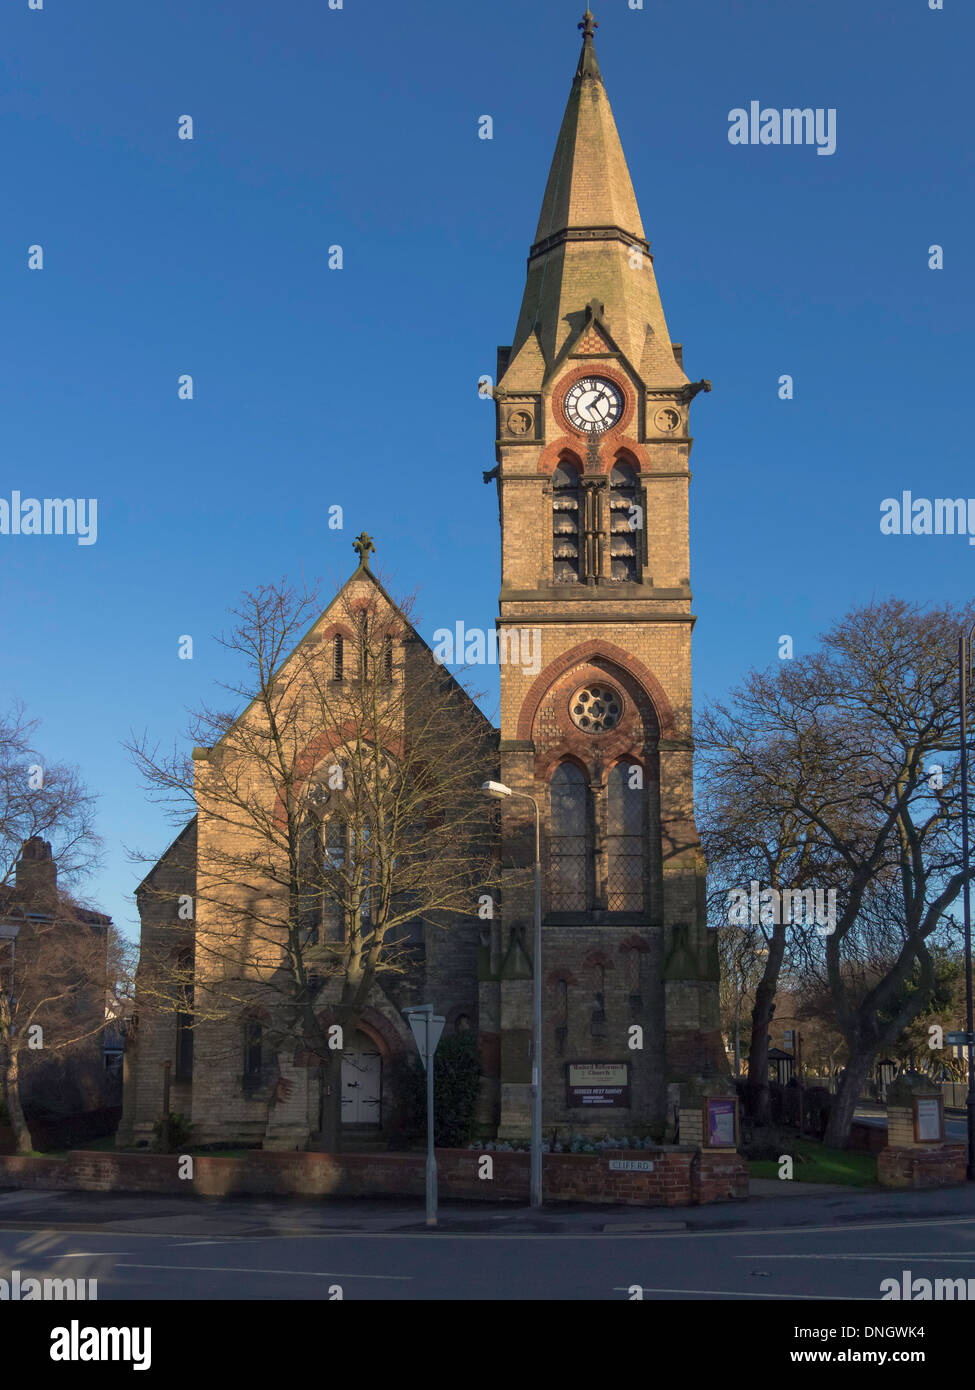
597 1085
929 1120
720 1122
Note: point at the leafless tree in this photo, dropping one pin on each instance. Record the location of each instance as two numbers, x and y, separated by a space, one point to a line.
856 747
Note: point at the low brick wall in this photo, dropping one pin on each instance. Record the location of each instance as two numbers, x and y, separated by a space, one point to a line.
866 1138
941 1165
681 1175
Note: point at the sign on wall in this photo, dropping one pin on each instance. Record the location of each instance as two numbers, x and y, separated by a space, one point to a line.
721 1123
597 1085
928 1118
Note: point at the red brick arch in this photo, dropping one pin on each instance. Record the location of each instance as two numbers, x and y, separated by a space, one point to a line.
612 448
583 652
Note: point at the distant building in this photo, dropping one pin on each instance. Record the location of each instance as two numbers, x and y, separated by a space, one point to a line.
54 1081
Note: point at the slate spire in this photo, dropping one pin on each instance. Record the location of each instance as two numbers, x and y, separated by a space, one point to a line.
590 243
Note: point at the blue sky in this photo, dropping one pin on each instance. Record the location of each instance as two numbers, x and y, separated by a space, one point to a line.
314 387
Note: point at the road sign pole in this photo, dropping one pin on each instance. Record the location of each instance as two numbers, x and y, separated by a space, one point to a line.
431 1155
427 1028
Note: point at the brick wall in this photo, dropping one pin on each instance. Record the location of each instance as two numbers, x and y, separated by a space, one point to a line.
681 1176
941 1165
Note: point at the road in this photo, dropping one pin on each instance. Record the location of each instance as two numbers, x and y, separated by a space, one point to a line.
824 1261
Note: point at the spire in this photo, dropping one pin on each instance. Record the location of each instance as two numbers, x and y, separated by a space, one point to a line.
590 242
588 67
589 183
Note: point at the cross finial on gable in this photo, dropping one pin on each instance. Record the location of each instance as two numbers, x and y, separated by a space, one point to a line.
588 24
363 546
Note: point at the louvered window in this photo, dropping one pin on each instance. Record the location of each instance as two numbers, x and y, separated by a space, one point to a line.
625 524
565 524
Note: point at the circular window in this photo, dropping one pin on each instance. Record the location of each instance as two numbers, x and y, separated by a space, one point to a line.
596 708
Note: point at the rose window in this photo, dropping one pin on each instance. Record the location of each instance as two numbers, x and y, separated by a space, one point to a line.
596 708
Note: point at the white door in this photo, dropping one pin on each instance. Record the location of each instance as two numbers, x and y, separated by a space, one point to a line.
362 1077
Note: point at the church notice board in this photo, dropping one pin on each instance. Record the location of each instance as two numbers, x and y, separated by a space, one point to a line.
720 1122
597 1085
929 1118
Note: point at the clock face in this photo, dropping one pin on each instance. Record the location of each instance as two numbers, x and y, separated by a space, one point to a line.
593 405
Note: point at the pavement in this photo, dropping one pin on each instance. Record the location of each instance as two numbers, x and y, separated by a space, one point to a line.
773 1203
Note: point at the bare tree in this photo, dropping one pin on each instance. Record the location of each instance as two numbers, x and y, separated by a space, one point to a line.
753 847
62 966
56 958
338 819
45 800
856 745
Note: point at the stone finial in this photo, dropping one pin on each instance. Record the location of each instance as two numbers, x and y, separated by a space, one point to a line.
363 546
588 24
588 66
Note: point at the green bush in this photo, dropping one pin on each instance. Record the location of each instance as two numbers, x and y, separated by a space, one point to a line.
179 1135
456 1077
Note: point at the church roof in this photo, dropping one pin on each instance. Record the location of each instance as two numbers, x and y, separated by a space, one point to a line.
590 244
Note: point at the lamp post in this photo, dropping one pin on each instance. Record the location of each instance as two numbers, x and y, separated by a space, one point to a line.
498 792
964 680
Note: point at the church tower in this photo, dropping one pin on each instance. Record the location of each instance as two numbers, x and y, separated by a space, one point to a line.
593 448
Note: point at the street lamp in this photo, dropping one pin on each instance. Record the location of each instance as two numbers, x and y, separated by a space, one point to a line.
498 792
964 680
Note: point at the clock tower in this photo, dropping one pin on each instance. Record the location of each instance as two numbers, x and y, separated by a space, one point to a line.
594 635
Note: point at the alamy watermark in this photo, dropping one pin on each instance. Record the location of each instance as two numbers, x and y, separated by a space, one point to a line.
912 1290
772 907
50 516
921 516
472 646
791 126
17 1289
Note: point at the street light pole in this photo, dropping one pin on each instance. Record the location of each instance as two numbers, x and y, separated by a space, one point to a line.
964 674
498 791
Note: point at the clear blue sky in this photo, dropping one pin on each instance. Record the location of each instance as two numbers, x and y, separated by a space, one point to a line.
358 387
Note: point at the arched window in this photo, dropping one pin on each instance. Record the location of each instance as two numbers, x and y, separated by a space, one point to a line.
338 656
309 905
365 664
253 1051
565 524
625 509
387 661
625 839
335 842
570 857
184 1018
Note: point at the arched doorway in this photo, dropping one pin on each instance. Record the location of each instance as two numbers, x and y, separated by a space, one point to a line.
362 1083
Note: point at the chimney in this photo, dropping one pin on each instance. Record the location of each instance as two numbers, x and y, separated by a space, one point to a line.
36 875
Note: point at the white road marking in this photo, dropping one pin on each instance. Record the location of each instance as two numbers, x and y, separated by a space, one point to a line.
300 1273
888 1255
727 1293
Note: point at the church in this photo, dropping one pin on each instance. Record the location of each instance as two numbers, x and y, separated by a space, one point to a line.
592 443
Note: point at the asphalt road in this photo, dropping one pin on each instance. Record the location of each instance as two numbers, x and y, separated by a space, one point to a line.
831 1262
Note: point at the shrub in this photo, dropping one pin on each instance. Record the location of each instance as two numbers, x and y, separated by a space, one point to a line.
769 1143
819 1103
179 1135
456 1078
